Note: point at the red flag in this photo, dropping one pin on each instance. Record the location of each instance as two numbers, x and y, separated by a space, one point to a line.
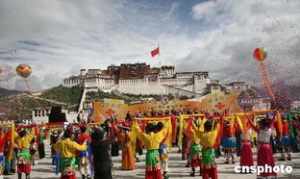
155 52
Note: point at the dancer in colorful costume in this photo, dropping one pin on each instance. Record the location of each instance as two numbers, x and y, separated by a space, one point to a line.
265 152
67 149
229 140
152 139
246 155
187 140
41 143
174 127
54 136
9 152
33 151
163 152
195 150
208 139
285 140
84 162
128 141
22 142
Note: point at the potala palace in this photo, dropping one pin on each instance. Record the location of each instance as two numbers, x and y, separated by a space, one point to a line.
140 78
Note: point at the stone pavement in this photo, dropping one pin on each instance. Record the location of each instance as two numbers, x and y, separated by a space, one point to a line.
177 169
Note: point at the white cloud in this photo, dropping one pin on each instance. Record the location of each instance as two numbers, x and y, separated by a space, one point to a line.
245 25
204 9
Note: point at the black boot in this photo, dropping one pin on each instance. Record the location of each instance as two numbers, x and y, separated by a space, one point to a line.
19 175
193 172
83 176
27 176
5 172
166 175
53 161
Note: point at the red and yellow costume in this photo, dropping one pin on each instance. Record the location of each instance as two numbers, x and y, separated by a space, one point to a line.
152 143
24 157
229 140
208 140
84 162
285 140
195 150
68 151
246 158
187 139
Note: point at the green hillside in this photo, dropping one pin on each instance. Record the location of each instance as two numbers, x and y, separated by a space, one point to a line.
70 96
22 105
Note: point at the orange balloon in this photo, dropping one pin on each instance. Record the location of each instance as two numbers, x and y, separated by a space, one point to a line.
260 54
24 70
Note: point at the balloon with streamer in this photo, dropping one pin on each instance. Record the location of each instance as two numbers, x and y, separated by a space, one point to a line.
24 71
260 55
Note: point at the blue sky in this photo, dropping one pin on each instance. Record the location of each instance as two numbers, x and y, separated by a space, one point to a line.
57 38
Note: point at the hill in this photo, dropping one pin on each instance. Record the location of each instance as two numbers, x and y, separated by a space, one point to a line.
21 105
70 96
8 92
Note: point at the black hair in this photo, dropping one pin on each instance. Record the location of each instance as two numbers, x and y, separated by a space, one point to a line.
105 126
68 133
208 125
82 129
22 133
97 134
159 126
128 116
150 128
264 122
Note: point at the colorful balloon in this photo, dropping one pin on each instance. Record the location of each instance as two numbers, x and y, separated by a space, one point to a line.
260 54
23 70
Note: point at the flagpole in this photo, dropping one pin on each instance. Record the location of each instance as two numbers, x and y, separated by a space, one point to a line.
159 58
159 66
